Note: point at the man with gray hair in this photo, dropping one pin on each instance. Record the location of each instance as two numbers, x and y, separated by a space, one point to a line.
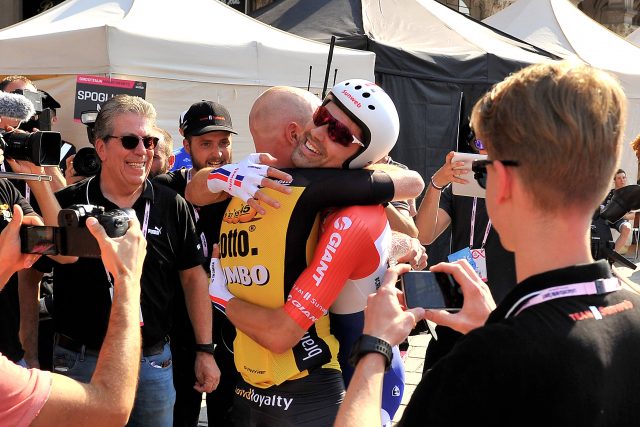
125 143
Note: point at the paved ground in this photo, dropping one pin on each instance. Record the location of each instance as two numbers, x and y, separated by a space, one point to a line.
417 347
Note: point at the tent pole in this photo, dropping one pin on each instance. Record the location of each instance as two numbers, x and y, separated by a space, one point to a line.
326 74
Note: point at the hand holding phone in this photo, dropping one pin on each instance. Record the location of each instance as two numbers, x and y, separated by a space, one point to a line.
433 291
478 302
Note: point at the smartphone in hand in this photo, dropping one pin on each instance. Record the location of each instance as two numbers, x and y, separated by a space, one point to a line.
434 291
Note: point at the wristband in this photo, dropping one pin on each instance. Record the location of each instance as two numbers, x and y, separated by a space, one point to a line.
369 344
204 348
433 184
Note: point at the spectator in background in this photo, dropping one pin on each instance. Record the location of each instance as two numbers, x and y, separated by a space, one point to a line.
208 137
623 225
471 232
635 145
163 157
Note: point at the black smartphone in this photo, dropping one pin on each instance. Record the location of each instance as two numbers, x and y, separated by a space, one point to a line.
38 239
438 291
48 240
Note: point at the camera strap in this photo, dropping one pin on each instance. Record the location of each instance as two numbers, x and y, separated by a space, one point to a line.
473 226
145 226
196 217
597 287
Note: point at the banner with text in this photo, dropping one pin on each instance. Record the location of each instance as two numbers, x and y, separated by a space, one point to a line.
93 91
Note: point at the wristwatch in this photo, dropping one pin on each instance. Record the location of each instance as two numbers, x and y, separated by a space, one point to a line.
369 344
205 348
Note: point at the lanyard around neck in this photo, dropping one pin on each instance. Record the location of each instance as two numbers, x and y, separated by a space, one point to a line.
147 210
597 287
145 226
473 226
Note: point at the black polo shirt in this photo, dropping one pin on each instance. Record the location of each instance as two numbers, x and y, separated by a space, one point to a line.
9 303
554 364
81 289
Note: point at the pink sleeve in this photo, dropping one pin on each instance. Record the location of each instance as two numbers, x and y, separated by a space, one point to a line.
23 393
345 249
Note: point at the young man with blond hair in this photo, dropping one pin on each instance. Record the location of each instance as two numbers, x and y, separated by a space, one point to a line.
561 348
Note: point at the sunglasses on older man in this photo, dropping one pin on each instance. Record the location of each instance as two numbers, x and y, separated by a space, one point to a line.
130 142
338 131
479 168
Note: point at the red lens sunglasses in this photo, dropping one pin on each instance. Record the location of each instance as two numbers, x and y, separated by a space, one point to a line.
338 131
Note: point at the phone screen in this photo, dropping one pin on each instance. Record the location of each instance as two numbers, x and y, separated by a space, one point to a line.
38 240
431 290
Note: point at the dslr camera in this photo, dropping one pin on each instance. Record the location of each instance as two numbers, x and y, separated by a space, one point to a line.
72 237
40 148
86 161
44 105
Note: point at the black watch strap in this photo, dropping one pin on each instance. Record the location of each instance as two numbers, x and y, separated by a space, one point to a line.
205 348
369 344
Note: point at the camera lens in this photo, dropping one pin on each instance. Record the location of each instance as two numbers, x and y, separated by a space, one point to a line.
86 162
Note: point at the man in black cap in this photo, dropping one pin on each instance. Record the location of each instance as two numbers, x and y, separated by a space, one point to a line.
207 131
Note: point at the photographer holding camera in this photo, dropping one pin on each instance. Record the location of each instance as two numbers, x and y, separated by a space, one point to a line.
19 85
562 347
39 398
124 141
19 304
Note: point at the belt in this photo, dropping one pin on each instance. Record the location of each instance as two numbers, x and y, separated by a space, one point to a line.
73 345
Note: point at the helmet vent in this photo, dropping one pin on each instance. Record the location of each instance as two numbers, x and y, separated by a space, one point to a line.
358 87
366 94
372 107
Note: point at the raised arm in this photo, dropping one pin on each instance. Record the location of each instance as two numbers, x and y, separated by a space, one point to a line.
197 191
108 398
407 184
384 319
241 180
430 220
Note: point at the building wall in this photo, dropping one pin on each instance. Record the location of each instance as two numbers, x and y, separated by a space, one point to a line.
620 16
11 12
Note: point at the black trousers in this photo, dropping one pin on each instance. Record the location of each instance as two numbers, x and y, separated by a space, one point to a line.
186 411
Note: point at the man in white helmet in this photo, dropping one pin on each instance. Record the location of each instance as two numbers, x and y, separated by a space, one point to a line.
285 348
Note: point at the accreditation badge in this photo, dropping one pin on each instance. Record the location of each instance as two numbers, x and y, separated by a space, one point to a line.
480 259
464 253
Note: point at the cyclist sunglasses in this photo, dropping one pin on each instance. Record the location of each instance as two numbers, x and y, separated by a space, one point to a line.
479 168
338 132
130 142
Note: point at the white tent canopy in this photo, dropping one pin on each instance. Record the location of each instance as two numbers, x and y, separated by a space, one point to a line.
634 37
185 51
559 27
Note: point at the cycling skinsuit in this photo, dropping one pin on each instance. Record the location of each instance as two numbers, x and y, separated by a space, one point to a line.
359 263
263 256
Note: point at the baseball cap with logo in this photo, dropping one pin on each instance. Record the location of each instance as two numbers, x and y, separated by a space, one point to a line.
206 116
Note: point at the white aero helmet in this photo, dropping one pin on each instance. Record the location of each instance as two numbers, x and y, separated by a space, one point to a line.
373 111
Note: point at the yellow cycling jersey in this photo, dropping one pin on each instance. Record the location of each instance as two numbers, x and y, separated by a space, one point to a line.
263 255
